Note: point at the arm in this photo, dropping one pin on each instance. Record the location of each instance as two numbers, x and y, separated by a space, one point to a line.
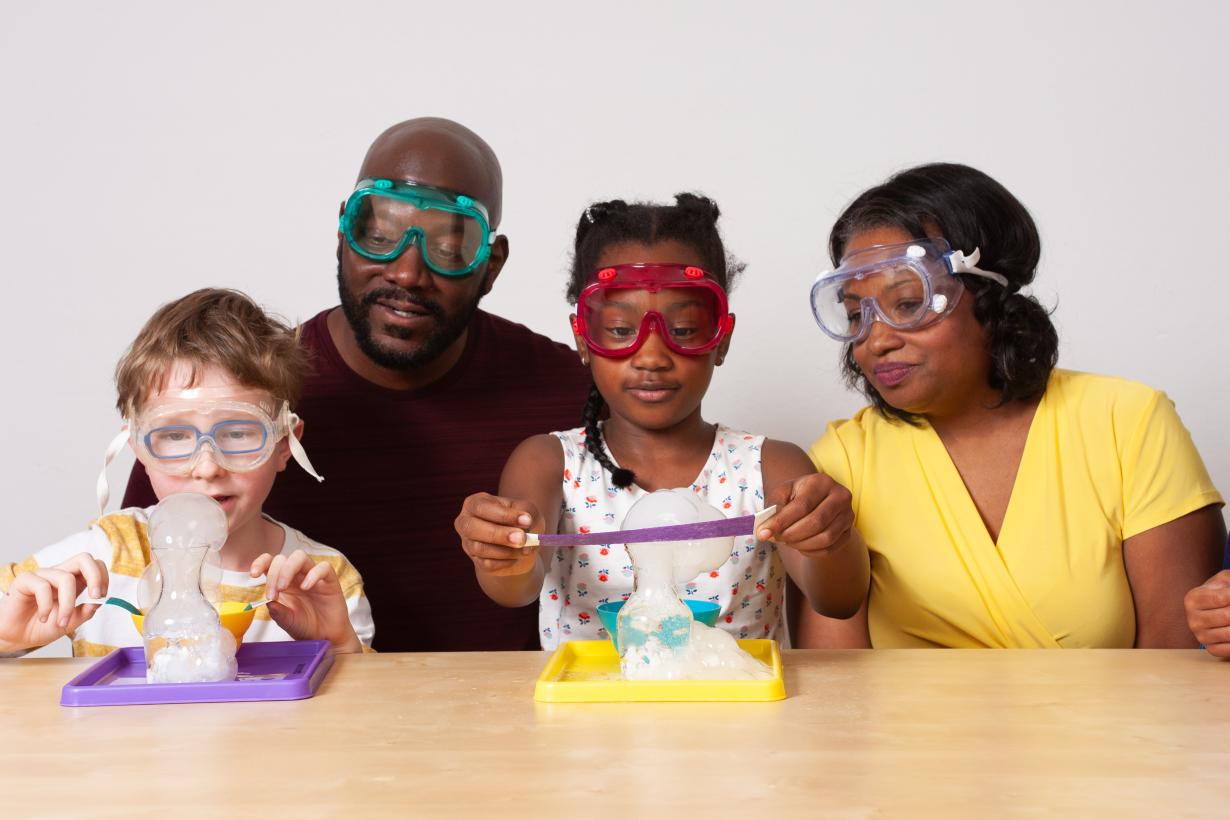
818 632
1162 565
823 553
492 528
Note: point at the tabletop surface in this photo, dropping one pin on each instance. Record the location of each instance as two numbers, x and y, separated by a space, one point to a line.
861 733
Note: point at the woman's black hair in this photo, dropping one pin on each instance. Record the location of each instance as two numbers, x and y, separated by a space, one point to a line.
692 220
971 210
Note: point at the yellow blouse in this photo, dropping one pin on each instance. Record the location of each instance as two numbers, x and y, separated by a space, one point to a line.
1105 459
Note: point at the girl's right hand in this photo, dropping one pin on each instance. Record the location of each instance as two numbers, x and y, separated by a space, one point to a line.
492 531
41 605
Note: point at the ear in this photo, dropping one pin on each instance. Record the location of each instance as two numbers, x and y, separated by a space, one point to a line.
495 262
724 346
579 341
282 454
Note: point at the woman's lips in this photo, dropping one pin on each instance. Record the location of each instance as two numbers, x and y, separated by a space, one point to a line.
891 375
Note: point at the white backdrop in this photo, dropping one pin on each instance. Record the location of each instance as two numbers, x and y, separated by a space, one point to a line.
153 148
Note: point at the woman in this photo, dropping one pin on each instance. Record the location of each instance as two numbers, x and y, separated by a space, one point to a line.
1005 503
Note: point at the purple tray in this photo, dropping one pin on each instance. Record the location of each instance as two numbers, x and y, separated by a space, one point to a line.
273 670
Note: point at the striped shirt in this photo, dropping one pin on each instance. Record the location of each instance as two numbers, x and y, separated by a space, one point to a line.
121 541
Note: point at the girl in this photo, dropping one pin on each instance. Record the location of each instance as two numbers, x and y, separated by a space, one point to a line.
1005 503
649 284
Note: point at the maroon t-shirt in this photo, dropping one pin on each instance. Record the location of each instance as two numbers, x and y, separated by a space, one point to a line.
398 464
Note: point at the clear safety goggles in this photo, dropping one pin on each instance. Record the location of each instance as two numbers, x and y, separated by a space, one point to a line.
384 217
173 435
625 303
907 286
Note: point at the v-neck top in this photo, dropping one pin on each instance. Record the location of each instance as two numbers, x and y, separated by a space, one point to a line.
1105 459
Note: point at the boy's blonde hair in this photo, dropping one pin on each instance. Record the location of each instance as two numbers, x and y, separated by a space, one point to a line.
211 327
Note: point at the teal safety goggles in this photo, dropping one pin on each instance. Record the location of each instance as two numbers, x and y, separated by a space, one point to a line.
384 217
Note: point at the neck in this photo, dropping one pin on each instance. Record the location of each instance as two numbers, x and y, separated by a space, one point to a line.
394 379
248 542
635 445
979 413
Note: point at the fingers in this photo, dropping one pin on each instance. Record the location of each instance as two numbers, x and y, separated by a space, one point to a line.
1221 579
492 531
283 570
91 572
34 585
80 615
1208 606
322 574
814 514
490 519
261 565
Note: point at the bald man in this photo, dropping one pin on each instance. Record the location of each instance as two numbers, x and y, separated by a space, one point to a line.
419 396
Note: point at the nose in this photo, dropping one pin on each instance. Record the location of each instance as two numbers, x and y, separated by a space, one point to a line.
653 354
881 337
408 270
205 464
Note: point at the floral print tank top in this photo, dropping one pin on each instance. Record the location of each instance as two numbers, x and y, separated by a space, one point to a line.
749 586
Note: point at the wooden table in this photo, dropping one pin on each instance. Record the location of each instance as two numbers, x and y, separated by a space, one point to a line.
899 732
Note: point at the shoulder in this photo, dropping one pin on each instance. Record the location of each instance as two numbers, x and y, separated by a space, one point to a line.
504 332
1096 399
853 434
783 461
542 449
505 339
315 330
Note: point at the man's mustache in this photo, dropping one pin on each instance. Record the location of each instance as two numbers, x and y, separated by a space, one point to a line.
399 295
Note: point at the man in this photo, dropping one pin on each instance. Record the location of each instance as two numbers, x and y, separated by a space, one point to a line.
417 396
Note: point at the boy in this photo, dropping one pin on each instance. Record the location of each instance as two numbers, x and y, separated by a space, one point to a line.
205 390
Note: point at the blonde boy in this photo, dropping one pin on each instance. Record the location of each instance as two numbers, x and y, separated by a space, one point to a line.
205 390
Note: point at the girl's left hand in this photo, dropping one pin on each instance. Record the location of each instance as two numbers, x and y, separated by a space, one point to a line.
306 599
814 515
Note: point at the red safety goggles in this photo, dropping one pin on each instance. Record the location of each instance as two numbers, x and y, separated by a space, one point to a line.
624 303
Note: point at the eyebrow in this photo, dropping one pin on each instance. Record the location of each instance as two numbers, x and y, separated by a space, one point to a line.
842 296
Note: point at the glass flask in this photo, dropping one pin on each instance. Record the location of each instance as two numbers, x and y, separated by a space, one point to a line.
184 639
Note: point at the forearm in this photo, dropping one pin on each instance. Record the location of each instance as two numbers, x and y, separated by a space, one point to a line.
835 580
512 590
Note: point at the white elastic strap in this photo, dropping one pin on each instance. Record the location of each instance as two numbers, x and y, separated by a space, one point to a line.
296 449
969 264
113 449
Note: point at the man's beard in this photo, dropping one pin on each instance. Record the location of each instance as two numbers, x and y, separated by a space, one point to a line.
446 331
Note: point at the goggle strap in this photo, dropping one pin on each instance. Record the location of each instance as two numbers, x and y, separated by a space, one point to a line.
113 449
961 263
296 448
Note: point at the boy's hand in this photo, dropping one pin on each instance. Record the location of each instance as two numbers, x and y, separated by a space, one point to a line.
492 531
813 515
41 605
1208 613
306 599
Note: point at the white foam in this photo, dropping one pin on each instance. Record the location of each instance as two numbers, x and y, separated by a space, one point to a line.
653 637
194 659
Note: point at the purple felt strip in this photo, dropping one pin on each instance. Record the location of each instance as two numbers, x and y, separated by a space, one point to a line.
742 525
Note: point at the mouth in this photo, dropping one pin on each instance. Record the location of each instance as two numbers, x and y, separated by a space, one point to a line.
891 374
403 310
226 502
653 392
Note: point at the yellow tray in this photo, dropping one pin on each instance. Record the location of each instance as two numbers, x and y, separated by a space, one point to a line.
588 671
